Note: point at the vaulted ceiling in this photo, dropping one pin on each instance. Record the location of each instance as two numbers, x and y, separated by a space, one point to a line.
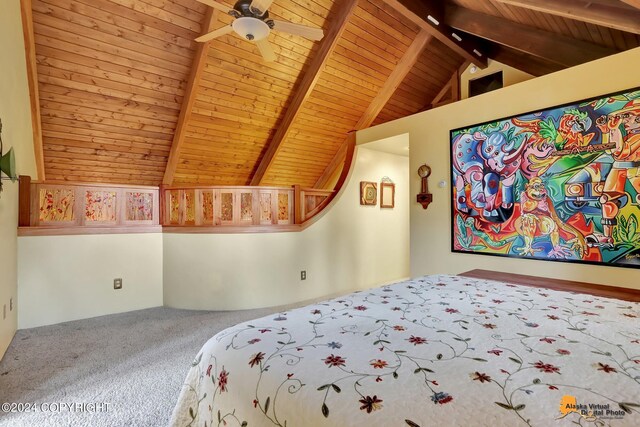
123 93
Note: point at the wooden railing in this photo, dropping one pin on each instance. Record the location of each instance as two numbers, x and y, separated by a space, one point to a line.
311 202
70 208
240 206
78 208
220 206
105 207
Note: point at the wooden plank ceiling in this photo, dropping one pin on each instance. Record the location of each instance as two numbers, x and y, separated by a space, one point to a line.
126 95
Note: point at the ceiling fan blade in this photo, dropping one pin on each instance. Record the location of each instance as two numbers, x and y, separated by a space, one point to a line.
261 5
215 33
266 50
214 4
299 30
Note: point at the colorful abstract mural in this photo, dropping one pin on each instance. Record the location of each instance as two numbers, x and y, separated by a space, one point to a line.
558 184
100 206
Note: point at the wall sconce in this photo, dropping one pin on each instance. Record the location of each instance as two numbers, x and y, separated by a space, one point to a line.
7 162
424 197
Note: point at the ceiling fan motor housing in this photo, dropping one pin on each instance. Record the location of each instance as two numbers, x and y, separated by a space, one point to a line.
251 24
243 8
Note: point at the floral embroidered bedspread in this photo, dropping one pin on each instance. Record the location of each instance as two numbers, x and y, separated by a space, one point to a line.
438 350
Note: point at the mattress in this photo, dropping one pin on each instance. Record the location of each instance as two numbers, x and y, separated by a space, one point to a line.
437 350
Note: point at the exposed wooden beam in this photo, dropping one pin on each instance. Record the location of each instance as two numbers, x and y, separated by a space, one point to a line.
429 16
396 77
339 20
634 3
199 62
553 47
331 169
32 78
598 14
524 62
342 159
449 93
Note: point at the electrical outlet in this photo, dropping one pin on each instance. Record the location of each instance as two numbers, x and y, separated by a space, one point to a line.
303 275
117 283
10 304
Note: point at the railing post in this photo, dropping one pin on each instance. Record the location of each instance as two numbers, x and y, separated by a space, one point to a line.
297 205
24 201
162 206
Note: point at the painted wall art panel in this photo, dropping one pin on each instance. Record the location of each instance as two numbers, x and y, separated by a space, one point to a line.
246 206
265 207
139 206
100 206
56 205
174 207
190 203
283 207
207 206
559 184
226 212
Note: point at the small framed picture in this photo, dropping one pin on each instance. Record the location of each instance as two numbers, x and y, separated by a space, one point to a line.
387 195
368 193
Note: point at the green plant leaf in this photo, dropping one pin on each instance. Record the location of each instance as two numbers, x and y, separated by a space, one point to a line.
503 405
635 405
600 103
632 227
462 242
461 225
266 404
519 407
625 408
197 361
622 222
548 129
325 410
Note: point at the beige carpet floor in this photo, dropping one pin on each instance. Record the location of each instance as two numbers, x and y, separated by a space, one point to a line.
134 362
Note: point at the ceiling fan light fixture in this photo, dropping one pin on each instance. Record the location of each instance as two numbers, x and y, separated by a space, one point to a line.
251 28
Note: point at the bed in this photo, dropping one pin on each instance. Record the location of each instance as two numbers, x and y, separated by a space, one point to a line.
437 350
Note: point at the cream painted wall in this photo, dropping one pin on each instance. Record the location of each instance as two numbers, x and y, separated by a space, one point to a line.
16 132
350 247
429 142
510 75
66 278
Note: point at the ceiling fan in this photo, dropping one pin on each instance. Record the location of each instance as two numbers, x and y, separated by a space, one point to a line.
252 23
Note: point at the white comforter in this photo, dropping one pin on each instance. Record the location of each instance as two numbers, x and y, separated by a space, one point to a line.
439 350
